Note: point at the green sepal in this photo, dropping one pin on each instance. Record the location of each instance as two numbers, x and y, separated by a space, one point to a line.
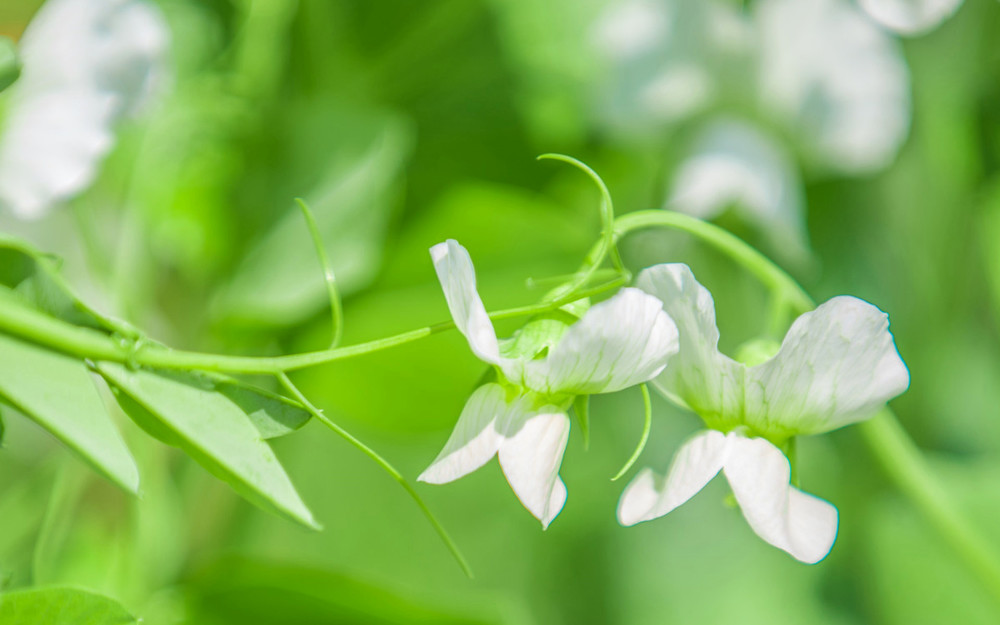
10 63
757 351
535 338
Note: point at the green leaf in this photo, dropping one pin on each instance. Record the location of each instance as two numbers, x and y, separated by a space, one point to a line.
280 282
10 64
188 412
61 606
34 277
273 593
58 393
272 414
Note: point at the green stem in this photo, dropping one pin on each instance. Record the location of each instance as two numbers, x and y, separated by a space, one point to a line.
902 461
333 293
886 438
606 245
19 320
646 427
772 276
381 462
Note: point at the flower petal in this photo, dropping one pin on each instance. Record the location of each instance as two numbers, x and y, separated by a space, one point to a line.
839 81
458 281
86 63
837 365
530 458
618 343
476 438
910 17
695 464
798 523
736 166
710 383
52 147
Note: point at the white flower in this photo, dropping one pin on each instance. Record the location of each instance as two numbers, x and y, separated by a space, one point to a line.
910 17
734 165
86 64
837 365
667 59
522 418
838 79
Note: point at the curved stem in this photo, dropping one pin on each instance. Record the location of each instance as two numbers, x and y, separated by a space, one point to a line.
19 320
332 292
902 461
646 427
381 462
772 276
606 246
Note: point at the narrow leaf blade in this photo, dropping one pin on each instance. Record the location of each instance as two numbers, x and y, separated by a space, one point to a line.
191 414
59 606
57 392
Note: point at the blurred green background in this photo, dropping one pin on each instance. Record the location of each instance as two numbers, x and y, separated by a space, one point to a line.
406 123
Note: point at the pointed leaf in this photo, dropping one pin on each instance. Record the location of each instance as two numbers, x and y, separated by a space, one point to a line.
279 283
58 393
35 278
273 415
188 412
60 606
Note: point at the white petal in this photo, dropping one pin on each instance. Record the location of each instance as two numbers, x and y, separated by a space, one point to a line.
796 522
837 365
476 438
618 343
694 466
707 381
458 281
629 29
530 457
837 79
910 17
735 166
51 149
85 64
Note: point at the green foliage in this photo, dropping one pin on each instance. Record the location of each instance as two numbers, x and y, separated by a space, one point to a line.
404 124
10 65
272 593
61 606
280 282
34 277
187 412
58 393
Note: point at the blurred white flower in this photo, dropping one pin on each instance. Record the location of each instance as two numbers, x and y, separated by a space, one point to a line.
632 28
677 92
667 58
910 17
86 64
522 418
733 165
837 365
837 78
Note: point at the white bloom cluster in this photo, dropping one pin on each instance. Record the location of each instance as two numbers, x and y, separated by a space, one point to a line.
86 65
837 365
828 75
